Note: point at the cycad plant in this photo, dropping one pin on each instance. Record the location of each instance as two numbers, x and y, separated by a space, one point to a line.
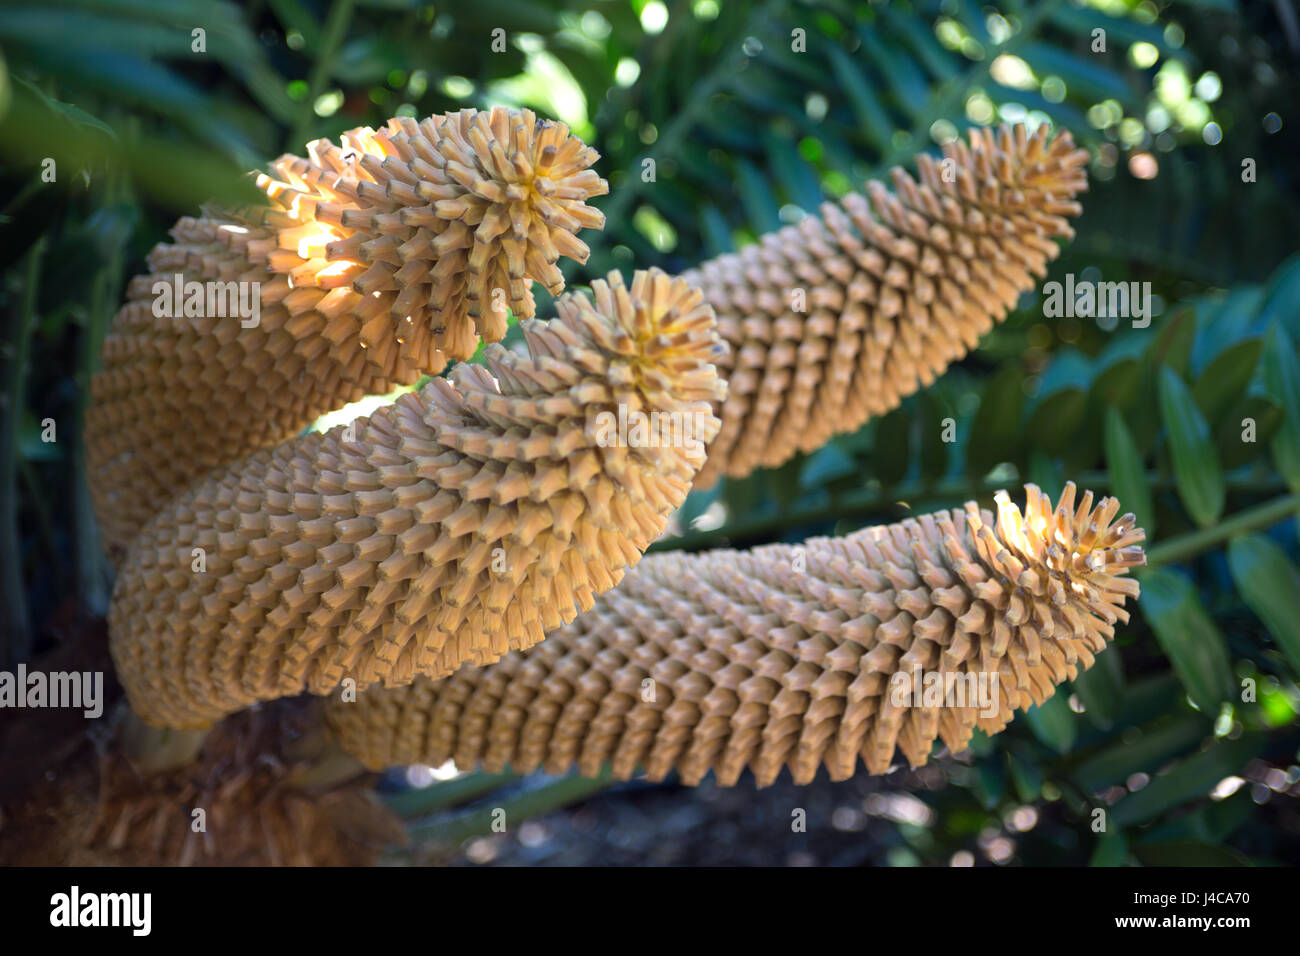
827 351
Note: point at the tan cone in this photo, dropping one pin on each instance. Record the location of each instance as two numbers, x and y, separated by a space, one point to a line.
838 319
786 656
377 260
456 525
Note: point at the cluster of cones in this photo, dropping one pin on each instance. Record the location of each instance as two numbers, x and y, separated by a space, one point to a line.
416 555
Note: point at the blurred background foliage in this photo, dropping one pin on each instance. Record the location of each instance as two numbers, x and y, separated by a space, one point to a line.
719 121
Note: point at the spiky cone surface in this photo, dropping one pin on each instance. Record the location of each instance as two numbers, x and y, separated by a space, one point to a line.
461 523
727 661
375 260
839 318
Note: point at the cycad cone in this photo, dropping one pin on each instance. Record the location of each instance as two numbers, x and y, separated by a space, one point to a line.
838 319
458 524
377 261
786 656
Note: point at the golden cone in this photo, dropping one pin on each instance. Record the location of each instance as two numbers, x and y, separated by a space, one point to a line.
450 528
375 261
786 656
838 319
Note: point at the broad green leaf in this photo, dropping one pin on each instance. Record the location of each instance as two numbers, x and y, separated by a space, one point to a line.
756 197
1188 853
1128 477
715 231
1221 322
51 27
1196 462
891 456
1117 384
365 60
294 16
1171 346
995 432
1270 585
911 90
1226 378
1190 780
1146 752
783 482
1026 776
209 177
1111 850
989 783
877 127
825 465
1281 373
1069 368
1101 688
76 118
1223 818
1120 31
918 35
1250 414
1086 75
1148 698
1057 418
934 451
1053 723
1282 297
1047 473
1188 637
1173 343
971 14
796 177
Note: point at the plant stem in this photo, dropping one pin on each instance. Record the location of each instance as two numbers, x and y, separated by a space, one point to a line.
44 526
439 796
1252 519
16 638
531 803
336 24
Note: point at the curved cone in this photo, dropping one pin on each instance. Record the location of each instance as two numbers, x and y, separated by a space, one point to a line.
371 263
785 656
456 525
837 320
